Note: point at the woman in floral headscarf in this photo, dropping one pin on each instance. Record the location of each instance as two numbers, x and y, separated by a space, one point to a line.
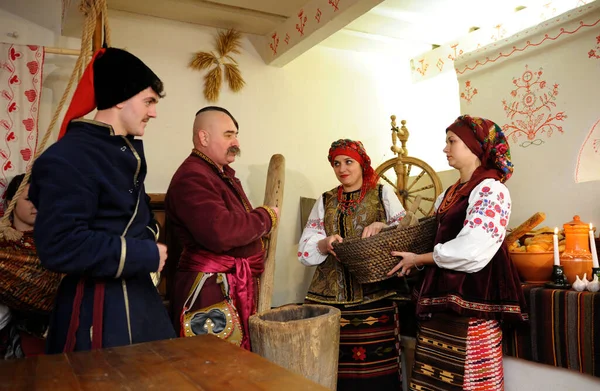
369 333
470 284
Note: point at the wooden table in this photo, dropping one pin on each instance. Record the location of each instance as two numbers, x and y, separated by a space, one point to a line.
198 363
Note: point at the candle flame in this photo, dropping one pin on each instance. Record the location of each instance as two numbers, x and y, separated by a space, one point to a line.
591 227
555 230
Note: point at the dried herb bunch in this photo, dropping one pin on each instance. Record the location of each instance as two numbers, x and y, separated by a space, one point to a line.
222 63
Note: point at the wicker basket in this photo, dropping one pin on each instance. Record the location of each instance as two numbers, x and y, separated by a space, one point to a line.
369 259
24 284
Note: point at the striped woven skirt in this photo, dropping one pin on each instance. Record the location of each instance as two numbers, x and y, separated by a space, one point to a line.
370 347
455 353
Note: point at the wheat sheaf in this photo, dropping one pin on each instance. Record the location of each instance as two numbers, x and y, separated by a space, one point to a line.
222 64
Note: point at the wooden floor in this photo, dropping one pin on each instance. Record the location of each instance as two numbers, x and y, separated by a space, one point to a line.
198 363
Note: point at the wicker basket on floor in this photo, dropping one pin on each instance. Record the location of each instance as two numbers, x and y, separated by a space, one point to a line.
369 259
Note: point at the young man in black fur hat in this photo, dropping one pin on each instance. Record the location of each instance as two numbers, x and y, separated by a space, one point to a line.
94 222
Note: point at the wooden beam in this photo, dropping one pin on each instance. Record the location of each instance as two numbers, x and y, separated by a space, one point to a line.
273 197
314 22
69 52
237 9
203 12
98 37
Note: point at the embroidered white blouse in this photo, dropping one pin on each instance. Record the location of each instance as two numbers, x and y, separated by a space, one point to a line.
483 230
309 255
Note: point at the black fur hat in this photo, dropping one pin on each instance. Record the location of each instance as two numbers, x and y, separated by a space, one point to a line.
119 75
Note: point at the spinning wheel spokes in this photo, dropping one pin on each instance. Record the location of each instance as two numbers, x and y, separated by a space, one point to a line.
416 180
429 185
390 182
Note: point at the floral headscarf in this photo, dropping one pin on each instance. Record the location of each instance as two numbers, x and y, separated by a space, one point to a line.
487 141
356 151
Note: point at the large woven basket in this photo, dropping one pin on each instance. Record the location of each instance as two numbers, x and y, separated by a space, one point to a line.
24 284
369 259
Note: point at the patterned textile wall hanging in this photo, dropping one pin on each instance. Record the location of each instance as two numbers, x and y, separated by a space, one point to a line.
20 89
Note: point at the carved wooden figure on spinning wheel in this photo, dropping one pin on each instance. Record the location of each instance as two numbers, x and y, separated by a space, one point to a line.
413 177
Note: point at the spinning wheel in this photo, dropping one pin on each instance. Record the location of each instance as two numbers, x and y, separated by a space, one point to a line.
409 176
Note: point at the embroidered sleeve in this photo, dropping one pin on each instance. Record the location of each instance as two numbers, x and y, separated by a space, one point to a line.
483 230
394 210
308 253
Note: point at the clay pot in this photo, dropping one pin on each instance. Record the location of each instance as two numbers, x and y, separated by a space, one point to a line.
576 259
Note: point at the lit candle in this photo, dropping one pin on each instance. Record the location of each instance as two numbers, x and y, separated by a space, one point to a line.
555 239
593 247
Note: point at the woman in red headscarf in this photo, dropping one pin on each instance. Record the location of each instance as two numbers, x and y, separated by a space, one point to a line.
469 284
369 334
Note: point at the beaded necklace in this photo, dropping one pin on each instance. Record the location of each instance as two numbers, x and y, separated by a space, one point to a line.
348 206
452 195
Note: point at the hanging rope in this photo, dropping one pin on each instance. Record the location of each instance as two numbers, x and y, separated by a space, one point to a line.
91 9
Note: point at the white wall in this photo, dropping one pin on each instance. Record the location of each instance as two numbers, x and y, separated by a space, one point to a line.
39 14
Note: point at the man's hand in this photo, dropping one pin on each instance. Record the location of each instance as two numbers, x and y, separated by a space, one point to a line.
162 252
276 210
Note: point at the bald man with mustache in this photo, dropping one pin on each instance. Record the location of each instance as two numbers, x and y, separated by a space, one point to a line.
220 231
